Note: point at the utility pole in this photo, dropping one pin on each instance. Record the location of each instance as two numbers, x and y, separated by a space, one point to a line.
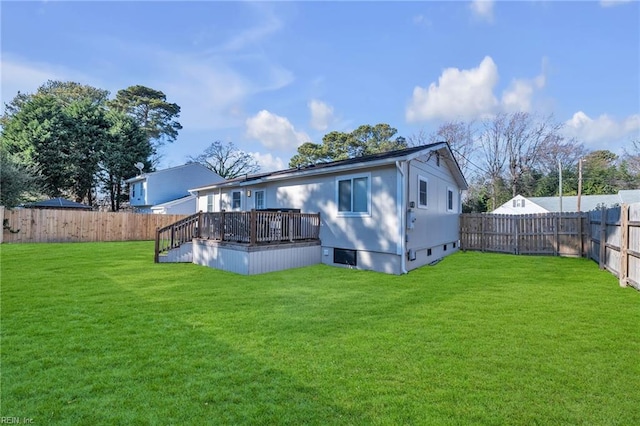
560 183
579 182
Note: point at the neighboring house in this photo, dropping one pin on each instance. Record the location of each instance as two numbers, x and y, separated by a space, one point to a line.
529 205
58 204
184 205
150 189
389 212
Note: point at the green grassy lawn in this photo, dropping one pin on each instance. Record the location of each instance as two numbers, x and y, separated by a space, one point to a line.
96 333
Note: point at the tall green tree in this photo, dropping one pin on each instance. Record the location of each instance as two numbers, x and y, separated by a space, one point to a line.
126 144
599 173
38 135
59 131
88 138
365 140
18 183
152 112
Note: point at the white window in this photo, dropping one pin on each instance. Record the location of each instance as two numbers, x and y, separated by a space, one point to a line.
210 202
353 196
423 193
518 203
235 200
258 200
133 190
450 202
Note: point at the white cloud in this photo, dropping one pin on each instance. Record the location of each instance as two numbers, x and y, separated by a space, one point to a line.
458 94
482 9
519 94
321 114
274 132
612 3
268 163
603 130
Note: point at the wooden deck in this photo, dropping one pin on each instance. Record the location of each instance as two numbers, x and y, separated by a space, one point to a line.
249 228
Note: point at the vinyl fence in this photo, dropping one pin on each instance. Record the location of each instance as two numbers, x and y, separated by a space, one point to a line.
47 226
611 237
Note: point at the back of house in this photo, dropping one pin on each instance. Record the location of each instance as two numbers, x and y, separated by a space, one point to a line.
389 212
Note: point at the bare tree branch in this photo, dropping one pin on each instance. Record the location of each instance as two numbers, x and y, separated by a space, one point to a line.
227 160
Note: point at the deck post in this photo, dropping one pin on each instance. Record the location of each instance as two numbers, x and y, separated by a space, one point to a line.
221 225
198 233
253 227
156 257
290 220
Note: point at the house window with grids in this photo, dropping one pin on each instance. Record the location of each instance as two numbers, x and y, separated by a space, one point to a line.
235 200
258 200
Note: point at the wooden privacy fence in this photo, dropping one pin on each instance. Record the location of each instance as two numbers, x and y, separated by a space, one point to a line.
47 226
615 242
556 234
611 237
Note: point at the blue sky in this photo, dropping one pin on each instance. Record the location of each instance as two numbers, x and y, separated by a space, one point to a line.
269 76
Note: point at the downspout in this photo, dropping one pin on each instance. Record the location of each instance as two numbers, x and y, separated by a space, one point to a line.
400 203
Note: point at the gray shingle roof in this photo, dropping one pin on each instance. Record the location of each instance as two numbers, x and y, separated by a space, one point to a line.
58 203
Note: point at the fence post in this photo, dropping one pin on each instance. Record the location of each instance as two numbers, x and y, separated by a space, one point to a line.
517 233
482 239
556 225
581 231
2 218
624 244
603 237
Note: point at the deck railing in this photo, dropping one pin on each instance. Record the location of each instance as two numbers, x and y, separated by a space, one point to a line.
253 227
176 234
260 227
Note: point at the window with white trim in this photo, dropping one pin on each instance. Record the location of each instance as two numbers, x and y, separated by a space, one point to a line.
210 202
258 200
450 202
235 200
353 195
423 193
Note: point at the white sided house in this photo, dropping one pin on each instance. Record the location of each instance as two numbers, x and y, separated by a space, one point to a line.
167 189
520 205
390 212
